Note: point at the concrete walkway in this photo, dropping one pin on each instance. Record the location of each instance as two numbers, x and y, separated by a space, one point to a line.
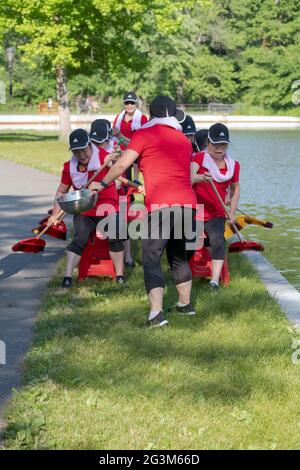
25 197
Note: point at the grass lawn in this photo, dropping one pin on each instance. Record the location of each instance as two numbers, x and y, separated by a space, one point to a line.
96 378
38 150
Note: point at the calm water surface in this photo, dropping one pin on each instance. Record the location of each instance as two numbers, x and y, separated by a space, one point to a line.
270 189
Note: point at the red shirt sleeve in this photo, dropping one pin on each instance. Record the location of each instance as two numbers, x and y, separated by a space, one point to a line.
65 175
198 158
236 173
137 142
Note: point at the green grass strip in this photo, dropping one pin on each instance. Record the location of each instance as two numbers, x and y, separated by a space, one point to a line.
96 378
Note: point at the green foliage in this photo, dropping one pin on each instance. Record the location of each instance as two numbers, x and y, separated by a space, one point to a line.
196 51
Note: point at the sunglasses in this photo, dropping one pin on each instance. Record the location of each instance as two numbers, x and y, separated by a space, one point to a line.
129 102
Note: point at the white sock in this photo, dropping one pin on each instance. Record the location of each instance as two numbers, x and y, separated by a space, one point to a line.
181 305
153 314
214 282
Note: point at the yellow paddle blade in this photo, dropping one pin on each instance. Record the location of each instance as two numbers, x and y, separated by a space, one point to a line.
229 230
253 220
242 221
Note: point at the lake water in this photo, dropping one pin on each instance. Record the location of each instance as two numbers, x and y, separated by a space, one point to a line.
270 189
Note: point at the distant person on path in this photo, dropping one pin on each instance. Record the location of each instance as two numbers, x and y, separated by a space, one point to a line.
165 161
88 104
86 159
215 163
50 104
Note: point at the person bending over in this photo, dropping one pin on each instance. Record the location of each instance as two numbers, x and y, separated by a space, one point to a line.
85 160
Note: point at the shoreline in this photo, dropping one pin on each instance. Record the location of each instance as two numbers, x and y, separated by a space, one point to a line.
51 122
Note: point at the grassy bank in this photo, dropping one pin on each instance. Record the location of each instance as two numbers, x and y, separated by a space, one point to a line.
95 377
39 150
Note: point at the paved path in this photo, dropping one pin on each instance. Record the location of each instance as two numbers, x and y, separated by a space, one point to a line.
25 197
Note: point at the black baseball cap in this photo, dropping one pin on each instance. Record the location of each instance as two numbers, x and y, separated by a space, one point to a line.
180 115
218 134
188 126
78 139
201 138
101 123
162 106
130 96
99 135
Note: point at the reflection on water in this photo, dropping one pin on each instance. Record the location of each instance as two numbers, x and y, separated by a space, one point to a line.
270 175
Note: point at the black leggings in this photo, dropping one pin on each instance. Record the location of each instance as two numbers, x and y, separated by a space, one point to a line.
214 229
84 225
153 249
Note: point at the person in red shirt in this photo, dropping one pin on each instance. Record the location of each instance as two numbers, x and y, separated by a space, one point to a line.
127 122
130 119
165 161
86 159
101 136
215 163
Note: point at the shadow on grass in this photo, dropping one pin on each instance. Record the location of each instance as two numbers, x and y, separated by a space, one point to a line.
92 338
25 137
188 358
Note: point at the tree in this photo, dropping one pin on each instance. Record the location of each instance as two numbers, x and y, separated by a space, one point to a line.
68 36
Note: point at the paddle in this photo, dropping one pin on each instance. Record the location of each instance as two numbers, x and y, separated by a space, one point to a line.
241 245
36 244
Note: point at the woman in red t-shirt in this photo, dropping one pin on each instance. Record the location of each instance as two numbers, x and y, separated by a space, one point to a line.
100 135
214 163
127 122
87 159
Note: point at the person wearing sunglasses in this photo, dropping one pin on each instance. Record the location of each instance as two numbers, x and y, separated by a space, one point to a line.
130 119
127 122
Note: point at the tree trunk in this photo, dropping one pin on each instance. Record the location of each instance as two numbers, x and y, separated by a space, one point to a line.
63 104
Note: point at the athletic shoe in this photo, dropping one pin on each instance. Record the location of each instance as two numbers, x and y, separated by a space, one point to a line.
157 321
66 283
213 287
186 310
120 280
130 264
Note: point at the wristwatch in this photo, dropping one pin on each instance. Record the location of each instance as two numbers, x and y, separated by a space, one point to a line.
103 184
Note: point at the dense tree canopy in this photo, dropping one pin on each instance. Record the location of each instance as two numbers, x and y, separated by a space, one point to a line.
198 51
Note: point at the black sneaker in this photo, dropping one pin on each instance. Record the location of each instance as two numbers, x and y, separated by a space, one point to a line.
157 321
66 283
120 280
213 287
186 310
130 264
